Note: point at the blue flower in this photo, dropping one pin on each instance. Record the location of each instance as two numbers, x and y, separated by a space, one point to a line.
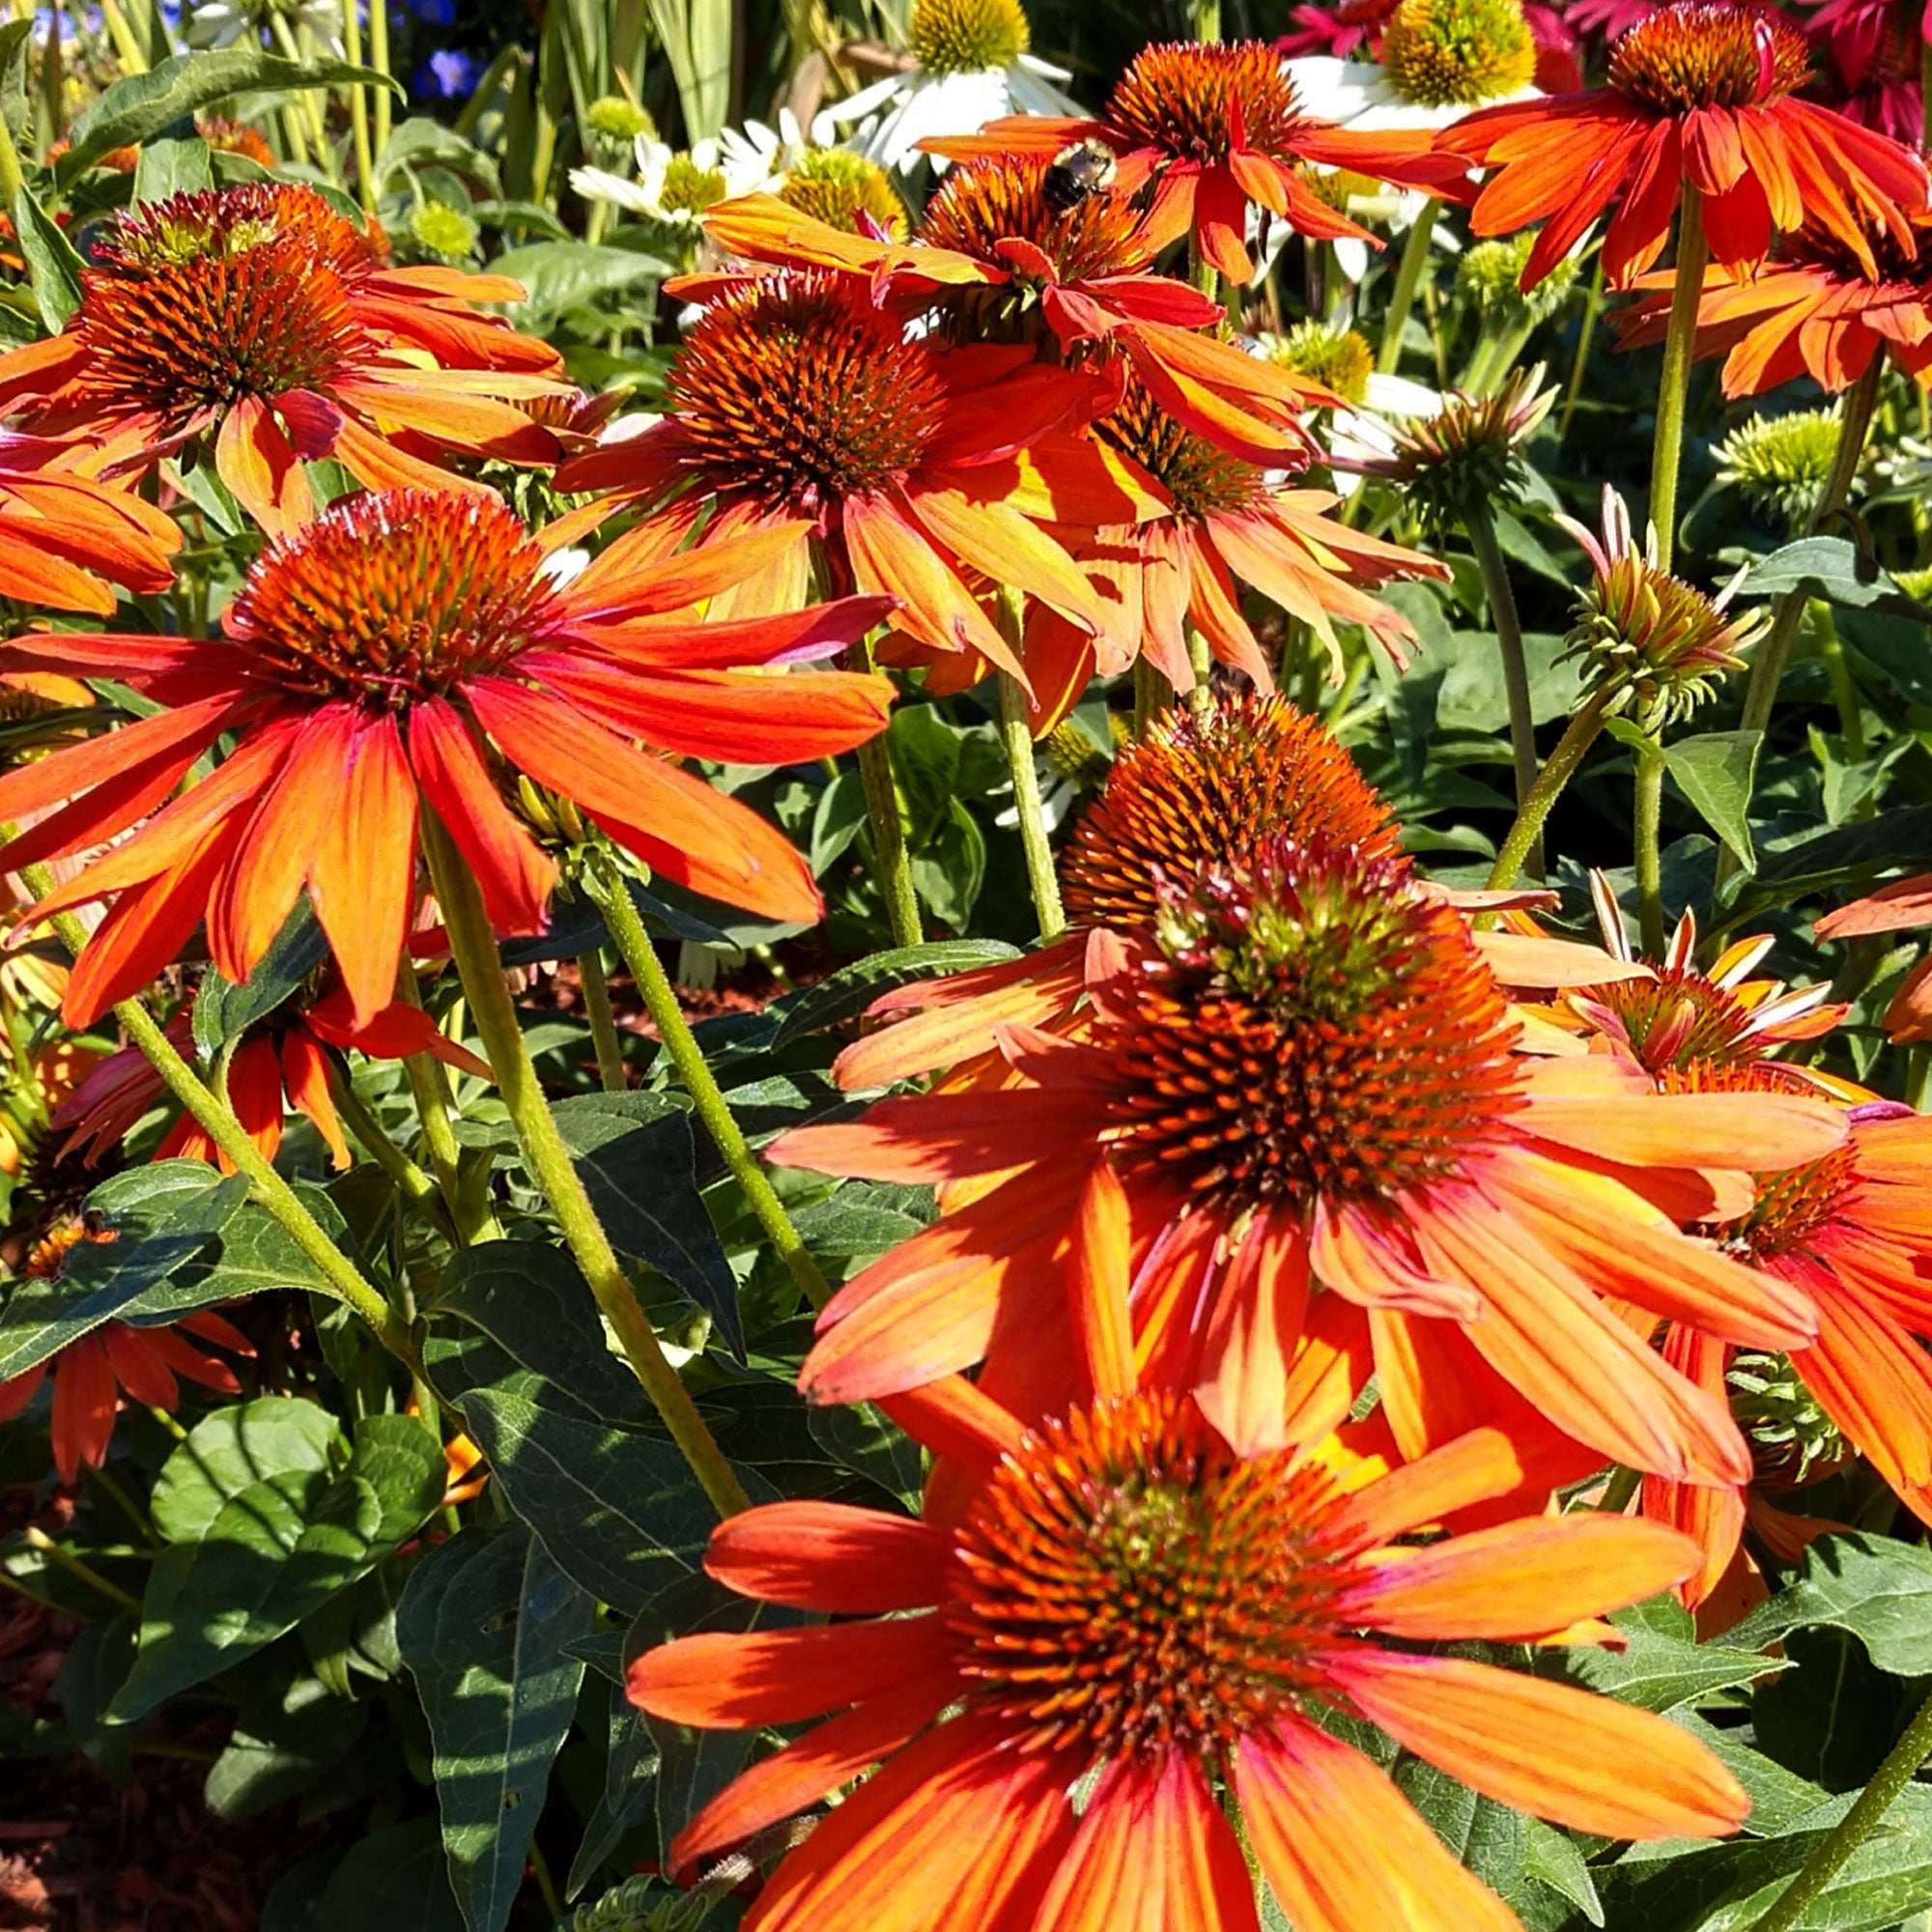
437 13
447 76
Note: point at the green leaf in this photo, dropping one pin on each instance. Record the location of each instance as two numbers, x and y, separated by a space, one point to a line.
96 1667
1877 1589
1486 1837
235 1448
562 275
395 1879
172 168
1656 1671
135 109
16 38
515 1345
224 1011
696 37
53 268
1551 1860
483 1624
845 994
275 1552
1716 772
1834 569
161 1217
625 1805
418 141
948 869
640 1163
1830 1716
280 1746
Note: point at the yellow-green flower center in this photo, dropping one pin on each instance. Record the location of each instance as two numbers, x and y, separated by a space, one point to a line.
688 189
836 186
617 119
1335 358
443 231
1458 53
967 36
1780 463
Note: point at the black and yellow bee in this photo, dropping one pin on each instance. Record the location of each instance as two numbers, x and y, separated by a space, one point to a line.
1081 169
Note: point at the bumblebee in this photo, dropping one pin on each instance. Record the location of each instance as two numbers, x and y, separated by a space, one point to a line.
1082 169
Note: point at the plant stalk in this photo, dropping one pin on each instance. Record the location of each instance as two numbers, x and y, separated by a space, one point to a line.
611 1074
473 946
1496 586
687 1057
1673 384
1016 736
1647 839
1889 1781
1558 769
882 809
1407 280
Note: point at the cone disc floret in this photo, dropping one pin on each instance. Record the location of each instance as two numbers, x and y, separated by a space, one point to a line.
392 597
1178 97
1125 1583
1315 1027
967 36
795 390
1339 359
980 205
1699 54
1201 787
1202 478
836 186
1458 53
210 297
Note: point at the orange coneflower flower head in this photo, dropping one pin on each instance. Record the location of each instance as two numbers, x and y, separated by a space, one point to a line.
1657 645
1111 1617
1702 93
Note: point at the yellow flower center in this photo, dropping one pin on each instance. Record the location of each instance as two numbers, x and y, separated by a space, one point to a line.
967 36
1458 53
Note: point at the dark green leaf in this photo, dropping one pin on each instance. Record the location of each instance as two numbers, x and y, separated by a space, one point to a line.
16 38
949 868
224 1011
280 1747
142 105
1658 1672
625 1805
562 275
1830 1716
232 1450
275 1552
172 168
845 994
1878 1589
483 1627
1488 1837
1716 770
96 1667
53 268
638 1162
395 1879
515 1345
1834 569
162 1217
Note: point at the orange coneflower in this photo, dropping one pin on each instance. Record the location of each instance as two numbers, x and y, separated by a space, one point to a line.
1057 1669
1817 308
1215 130
1311 1079
897 466
282 1063
1000 259
1854 1232
379 651
1197 788
262 318
91 1373
1700 93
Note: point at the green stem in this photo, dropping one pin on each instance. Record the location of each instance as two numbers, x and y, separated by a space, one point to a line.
358 110
306 106
36 1538
1017 737
1622 1486
1207 20
882 811
1844 690
1768 660
1152 695
611 1074
1647 838
1593 306
1887 1783
1673 384
1496 586
1201 662
1407 280
473 946
379 59
217 1121
361 1122
10 167
125 1503
634 947
436 1107
1557 770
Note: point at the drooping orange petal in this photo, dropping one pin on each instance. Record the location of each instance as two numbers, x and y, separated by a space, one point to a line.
1519 1580
85 1399
305 1081
1097 1269
1551 1750
729 1680
1469 1469
829 1556
1340 1847
1256 1312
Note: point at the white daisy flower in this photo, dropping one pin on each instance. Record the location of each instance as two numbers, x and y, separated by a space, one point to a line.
220 23
970 66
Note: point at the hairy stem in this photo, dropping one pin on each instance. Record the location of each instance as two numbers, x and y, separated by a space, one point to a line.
1673 382
1496 586
610 1075
1558 770
1407 280
1647 839
882 811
